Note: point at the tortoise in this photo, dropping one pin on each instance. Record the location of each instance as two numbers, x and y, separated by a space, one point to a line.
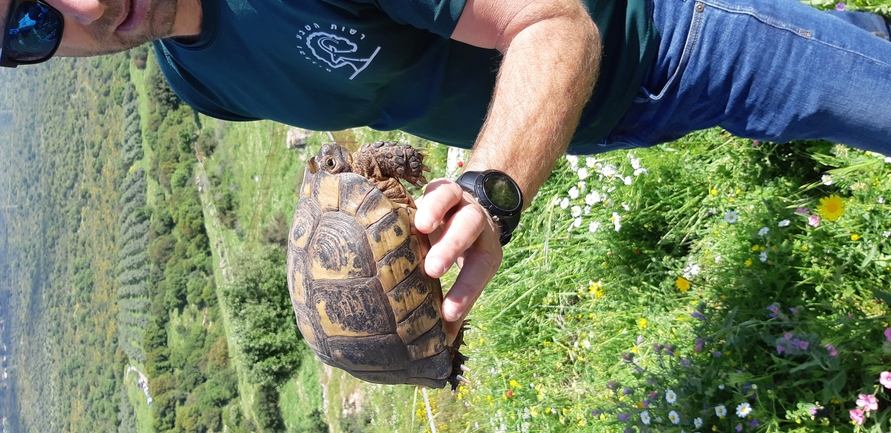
355 269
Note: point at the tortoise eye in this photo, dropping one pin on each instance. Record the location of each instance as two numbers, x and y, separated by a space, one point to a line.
330 162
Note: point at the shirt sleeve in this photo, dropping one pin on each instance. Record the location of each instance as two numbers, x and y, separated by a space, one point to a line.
437 16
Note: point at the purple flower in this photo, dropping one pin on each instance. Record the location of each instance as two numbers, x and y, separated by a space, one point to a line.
739 427
773 308
657 347
802 211
623 417
611 385
885 379
698 346
754 423
857 416
697 315
755 143
831 349
788 335
793 310
595 413
716 354
840 7
802 345
670 350
888 333
813 411
627 391
780 349
686 362
639 339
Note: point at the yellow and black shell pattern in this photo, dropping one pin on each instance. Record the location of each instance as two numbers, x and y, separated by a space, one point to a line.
356 280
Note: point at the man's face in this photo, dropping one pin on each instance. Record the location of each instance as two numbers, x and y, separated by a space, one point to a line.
94 27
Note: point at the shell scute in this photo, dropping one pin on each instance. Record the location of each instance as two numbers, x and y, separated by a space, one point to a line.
352 308
338 250
373 352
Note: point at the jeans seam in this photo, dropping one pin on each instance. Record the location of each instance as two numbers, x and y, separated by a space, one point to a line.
781 25
690 44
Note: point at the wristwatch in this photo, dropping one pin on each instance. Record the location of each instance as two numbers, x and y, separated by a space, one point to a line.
499 195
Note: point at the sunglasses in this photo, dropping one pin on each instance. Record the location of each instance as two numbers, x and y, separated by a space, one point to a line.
32 34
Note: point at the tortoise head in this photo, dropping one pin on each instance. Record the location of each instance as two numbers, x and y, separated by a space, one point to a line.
333 158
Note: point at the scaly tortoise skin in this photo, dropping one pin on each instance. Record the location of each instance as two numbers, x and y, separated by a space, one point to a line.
355 269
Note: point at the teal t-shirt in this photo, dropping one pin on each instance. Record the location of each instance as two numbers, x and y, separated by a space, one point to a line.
328 65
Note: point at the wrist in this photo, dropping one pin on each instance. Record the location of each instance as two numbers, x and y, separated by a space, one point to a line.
499 195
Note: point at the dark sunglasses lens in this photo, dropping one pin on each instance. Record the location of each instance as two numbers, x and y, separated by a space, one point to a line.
34 32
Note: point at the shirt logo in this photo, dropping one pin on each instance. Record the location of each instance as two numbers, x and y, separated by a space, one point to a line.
335 48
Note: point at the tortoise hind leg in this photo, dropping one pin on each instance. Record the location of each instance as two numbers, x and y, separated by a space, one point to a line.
458 368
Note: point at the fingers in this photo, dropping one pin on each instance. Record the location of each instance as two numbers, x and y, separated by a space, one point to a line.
462 232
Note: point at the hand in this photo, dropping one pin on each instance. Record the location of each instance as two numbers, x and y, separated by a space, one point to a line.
461 232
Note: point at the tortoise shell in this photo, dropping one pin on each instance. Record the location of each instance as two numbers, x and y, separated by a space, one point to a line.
355 269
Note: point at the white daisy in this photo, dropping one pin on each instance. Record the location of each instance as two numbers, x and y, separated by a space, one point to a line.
730 217
645 417
564 203
573 162
670 396
674 417
574 192
784 223
697 422
590 161
583 173
617 221
827 179
763 232
721 411
592 198
743 410
763 256
576 211
593 226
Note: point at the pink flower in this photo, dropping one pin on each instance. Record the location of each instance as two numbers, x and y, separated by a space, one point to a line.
867 402
803 211
802 345
813 220
832 351
840 7
885 379
857 416
888 333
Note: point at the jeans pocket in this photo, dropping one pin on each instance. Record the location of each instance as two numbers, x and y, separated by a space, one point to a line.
667 72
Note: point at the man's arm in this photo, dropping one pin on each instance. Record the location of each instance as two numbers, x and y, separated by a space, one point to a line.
551 57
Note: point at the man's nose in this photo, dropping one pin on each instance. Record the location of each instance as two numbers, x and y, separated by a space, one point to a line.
84 11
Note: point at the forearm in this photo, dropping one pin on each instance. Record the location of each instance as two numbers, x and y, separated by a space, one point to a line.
546 77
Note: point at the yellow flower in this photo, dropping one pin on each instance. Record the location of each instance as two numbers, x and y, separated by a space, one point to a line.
642 323
682 284
596 288
749 262
756 247
714 192
855 237
831 208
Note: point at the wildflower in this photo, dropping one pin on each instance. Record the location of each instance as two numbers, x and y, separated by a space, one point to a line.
867 402
886 233
857 416
855 237
645 417
590 162
743 410
617 221
784 223
840 7
627 391
576 211
763 232
698 346
833 352
774 309
720 411
738 428
697 422
831 208
763 256
583 173
780 349
642 323
880 200
802 345
592 198
888 333
813 220
674 417
827 179
670 396
573 162
577 222
697 315
564 203
885 379
748 262
574 192
682 284
802 211
593 226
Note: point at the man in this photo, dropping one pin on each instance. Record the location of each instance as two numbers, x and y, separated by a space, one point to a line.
513 79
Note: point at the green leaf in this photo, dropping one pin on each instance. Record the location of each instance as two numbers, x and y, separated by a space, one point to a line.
833 386
884 296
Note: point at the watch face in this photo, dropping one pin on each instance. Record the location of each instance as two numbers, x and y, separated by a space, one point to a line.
501 191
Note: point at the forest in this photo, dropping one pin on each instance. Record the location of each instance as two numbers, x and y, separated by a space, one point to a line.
108 267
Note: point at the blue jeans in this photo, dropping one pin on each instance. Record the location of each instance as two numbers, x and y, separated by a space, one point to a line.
773 70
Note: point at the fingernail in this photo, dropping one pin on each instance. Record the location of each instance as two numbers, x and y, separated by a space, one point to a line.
423 223
434 267
450 311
